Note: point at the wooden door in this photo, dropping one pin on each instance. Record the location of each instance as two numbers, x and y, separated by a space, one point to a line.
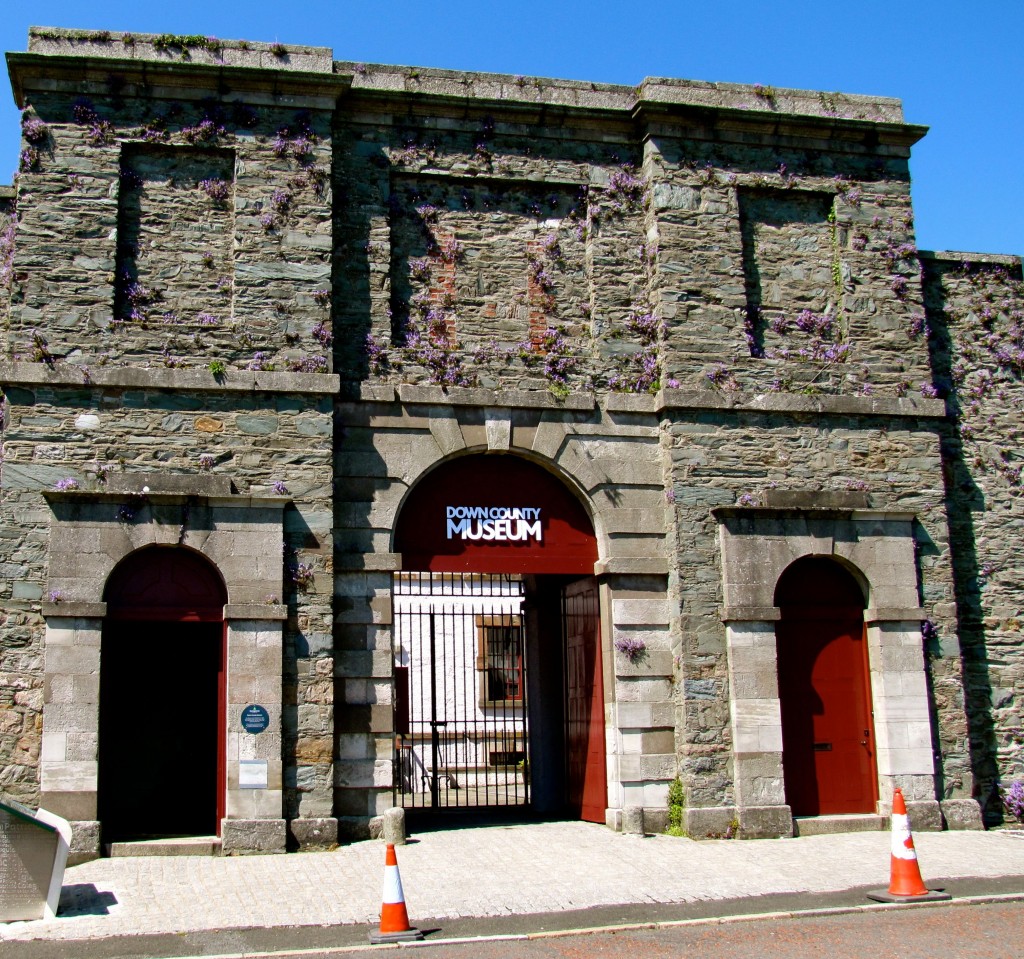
587 781
827 728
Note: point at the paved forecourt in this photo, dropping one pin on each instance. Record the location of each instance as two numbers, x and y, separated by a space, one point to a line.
487 871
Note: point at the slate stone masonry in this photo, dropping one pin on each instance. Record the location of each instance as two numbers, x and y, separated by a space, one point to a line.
276 290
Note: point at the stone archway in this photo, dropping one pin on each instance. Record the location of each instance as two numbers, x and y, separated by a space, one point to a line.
163 686
466 525
828 739
96 533
758 545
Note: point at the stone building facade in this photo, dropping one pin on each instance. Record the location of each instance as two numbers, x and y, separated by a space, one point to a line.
254 298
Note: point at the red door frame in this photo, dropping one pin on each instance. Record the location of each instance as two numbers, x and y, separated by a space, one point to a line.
587 773
191 591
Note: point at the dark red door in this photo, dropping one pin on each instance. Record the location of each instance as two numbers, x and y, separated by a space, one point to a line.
827 729
587 776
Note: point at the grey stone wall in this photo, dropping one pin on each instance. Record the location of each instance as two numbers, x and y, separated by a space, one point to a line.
975 323
173 227
784 459
678 297
8 225
219 442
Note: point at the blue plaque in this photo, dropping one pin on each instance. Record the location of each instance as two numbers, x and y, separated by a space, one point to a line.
255 719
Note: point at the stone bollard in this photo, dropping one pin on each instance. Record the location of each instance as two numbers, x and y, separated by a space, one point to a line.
393 830
633 820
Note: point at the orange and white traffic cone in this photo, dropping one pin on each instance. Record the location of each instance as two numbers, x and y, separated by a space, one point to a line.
905 882
394 919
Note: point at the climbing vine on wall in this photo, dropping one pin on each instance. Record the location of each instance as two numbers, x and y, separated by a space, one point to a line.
987 368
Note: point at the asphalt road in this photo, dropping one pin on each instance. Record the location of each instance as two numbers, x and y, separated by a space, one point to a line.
948 932
707 929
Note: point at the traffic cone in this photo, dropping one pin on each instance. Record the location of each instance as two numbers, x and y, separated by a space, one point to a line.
905 882
394 920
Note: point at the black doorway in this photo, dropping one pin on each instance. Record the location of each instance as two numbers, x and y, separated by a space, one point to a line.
159 729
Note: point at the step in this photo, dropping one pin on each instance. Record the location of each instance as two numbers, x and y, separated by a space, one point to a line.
174 846
829 825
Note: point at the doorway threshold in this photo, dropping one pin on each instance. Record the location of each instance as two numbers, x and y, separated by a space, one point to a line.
170 846
848 822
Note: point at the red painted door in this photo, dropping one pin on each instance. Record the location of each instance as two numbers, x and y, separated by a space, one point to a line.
587 785
827 729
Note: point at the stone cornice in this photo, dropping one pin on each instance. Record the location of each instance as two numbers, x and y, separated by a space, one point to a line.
21 373
84 63
957 257
695 108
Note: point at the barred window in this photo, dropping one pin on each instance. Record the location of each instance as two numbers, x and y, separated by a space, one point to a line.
500 658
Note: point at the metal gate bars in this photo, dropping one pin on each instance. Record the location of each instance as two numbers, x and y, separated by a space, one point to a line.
461 738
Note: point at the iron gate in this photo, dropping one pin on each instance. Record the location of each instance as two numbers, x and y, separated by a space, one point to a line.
461 738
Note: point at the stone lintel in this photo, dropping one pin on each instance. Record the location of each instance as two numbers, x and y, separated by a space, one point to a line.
628 566
815 499
255 611
473 396
751 614
73 610
197 379
911 406
371 562
828 512
170 499
894 615
376 393
191 484
629 403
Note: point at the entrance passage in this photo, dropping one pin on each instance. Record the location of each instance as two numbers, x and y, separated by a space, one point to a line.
460 692
827 729
161 729
497 652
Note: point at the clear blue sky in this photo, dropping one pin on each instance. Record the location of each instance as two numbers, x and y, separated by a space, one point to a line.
957 66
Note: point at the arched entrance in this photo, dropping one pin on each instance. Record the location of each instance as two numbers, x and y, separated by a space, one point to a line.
162 691
498 671
827 726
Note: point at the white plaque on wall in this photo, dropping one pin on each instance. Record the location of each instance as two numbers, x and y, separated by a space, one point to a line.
252 774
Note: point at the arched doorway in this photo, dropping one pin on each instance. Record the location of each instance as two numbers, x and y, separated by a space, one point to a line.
497 642
162 692
828 750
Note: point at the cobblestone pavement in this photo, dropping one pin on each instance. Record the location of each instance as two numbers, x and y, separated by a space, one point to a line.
487 871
